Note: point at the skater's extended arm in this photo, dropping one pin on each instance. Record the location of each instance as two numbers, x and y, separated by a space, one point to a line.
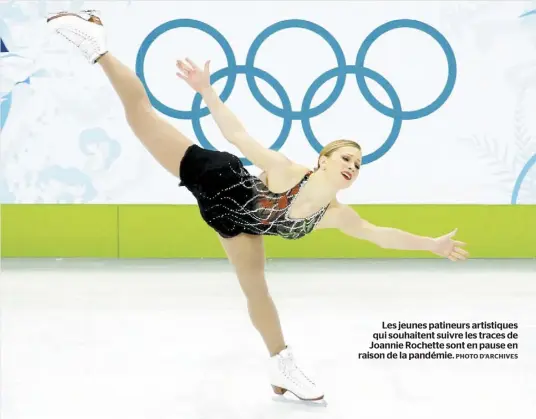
234 132
229 125
350 223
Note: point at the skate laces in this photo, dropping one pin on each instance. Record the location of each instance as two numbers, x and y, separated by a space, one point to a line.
289 364
80 33
87 43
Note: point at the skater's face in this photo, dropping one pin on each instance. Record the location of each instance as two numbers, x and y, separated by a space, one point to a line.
342 166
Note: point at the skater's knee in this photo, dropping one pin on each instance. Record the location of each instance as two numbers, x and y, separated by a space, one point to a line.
149 128
257 295
253 285
138 114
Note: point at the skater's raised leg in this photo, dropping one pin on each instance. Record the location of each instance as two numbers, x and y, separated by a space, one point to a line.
165 143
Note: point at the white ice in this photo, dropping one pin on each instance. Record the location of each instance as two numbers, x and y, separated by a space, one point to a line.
172 339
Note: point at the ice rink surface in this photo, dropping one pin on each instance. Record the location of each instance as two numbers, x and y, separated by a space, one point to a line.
170 339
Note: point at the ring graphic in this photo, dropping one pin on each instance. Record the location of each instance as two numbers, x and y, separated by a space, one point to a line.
521 177
307 112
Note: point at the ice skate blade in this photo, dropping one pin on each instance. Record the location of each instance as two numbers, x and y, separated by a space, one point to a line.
280 391
93 16
302 403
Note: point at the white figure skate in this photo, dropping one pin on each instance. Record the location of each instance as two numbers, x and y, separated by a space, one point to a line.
85 30
286 376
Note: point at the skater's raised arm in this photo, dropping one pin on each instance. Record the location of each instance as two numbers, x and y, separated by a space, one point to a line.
229 125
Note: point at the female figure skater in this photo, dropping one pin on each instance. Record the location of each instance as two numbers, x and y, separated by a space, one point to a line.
288 200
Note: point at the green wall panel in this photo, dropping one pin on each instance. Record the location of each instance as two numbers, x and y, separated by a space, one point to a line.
167 231
502 231
59 231
177 231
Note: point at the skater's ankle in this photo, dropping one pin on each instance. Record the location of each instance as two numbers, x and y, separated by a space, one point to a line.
103 58
276 350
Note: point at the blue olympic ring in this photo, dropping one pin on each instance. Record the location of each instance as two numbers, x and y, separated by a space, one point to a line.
194 24
306 113
303 24
519 181
445 46
395 101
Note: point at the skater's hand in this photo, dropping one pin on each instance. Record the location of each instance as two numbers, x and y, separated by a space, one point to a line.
197 78
447 247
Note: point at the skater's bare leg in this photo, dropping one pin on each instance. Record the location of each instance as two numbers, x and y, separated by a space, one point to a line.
160 138
246 253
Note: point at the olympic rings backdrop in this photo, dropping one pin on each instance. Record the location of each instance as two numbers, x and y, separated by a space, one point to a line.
440 96
306 112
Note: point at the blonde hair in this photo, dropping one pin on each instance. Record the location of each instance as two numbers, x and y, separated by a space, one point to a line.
329 149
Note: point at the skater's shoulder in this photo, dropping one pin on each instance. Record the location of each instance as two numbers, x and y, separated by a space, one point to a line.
284 177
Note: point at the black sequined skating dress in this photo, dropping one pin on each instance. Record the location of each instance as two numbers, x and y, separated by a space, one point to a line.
232 201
